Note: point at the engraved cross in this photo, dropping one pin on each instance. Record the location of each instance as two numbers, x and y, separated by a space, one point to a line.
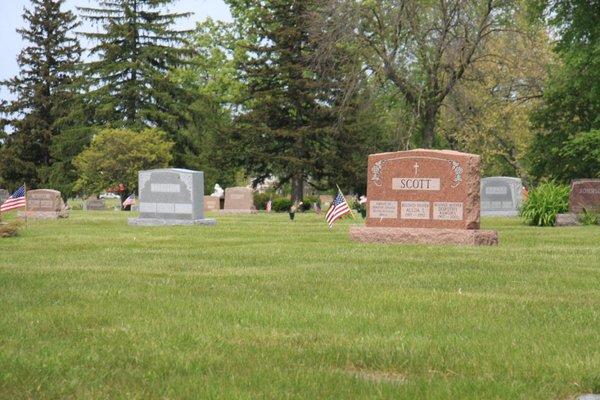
416 167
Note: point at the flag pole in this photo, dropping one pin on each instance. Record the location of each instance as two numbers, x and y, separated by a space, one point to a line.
25 193
345 201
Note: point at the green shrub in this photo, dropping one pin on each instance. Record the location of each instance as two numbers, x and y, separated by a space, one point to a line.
281 204
544 202
308 202
588 217
261 199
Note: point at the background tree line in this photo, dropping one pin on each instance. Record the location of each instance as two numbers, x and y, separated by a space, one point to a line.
302 90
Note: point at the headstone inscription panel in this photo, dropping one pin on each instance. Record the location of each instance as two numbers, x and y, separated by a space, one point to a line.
585 195
423 196
171 197
501 196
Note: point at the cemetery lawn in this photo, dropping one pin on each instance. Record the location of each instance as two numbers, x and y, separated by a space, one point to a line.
260 307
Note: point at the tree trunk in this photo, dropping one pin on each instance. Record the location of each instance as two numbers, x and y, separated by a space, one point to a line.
429 123
297 188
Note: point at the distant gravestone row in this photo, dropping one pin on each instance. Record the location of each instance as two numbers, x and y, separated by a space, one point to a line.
423 196
583 197
171 197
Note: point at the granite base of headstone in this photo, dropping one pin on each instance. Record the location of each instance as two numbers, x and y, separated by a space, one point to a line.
171 197
44 204
501 196
583 197
239 200
568 219
423 197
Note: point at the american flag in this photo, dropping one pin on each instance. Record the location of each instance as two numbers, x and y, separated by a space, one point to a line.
338 209
16 200
269 206
129 201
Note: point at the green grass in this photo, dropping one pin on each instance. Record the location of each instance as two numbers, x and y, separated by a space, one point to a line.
261 307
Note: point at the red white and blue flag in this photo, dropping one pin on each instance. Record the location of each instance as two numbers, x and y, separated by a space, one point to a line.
269 206
16 200
129 201
337 210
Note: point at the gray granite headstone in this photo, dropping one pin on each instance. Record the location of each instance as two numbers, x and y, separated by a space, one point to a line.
94 204
171 197
4 194
501 196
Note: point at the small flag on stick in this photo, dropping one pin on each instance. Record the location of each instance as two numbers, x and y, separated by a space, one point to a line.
16 200
338 209
269 206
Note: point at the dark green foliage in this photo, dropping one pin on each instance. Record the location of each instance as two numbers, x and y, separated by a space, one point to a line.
308 203
282 204
261 199
205 143
544 202
291 127
45 90
571 103
581 154
65 147
129 75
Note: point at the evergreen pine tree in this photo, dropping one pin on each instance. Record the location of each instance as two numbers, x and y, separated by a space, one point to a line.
43 90
288 128
131 61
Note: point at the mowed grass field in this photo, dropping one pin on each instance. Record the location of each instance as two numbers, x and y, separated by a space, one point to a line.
261 307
